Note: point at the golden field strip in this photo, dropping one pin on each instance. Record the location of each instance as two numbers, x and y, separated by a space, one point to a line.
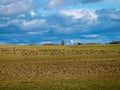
85 67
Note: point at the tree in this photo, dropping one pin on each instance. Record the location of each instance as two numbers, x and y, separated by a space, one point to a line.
78 43
114 42
62 43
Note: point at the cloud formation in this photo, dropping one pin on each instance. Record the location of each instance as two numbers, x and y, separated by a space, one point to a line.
60 3
7 1
90 1
113 1
80 14
62 19
14 7
28 25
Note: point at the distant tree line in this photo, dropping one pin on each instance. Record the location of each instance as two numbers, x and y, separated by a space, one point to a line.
114 42
77 43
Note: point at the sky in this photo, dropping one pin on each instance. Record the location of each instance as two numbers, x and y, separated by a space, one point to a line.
50 21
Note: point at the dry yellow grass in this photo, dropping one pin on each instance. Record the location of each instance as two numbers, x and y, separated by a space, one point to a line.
97 67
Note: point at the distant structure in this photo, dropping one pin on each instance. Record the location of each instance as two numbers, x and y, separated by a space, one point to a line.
62 43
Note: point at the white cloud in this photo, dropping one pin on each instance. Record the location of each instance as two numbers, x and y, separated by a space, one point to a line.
4 25
33 13
14 7
33 23
15 40
22 16
88 15
107 1
38 32
90 1
21 44
94 40
48 42
32 33
60 3
54 3
72 41
16 22
91 36
115 16
113 1
6 1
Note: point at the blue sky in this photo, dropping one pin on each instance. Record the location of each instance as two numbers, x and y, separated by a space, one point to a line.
50 21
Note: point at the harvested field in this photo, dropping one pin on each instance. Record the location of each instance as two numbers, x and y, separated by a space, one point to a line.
85 67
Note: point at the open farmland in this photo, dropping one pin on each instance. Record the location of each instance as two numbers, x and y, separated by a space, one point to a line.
85 67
